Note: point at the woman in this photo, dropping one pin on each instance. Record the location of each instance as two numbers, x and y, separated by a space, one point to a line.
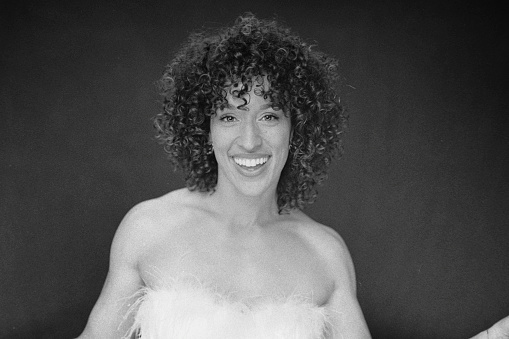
251 116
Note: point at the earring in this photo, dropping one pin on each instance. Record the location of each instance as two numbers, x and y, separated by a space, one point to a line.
210 149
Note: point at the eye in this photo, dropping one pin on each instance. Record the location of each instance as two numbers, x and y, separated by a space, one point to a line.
270 117
228 118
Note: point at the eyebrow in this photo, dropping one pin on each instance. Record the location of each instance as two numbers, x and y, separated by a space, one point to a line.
262 107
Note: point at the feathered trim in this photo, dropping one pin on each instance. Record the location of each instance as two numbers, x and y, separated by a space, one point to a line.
190 310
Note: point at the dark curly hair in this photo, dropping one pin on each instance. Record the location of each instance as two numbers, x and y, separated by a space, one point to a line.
302 82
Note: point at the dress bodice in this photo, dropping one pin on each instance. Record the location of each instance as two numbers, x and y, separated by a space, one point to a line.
192 311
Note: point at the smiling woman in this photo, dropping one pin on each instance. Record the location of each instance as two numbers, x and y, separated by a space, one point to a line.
253 58
252 117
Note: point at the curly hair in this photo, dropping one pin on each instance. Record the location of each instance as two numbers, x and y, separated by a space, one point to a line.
302 82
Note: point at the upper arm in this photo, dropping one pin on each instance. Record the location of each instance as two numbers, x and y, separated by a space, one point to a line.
346 315
107 319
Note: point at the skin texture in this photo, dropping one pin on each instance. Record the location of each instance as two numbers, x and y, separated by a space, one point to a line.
235 238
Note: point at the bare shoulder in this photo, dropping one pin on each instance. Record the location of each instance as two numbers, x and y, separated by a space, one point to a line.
145 222
329 246
323 238
151 213
347 320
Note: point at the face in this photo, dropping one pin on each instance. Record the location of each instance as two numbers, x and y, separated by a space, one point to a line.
250 145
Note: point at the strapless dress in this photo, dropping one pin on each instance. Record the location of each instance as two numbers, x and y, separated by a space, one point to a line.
190 310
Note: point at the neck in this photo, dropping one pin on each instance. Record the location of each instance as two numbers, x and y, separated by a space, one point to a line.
241 212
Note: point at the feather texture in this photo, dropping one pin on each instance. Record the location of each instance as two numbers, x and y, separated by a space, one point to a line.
190 310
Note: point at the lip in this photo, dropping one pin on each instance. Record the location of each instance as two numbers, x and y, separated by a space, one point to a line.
250 170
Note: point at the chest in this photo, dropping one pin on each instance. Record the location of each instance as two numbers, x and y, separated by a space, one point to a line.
272 267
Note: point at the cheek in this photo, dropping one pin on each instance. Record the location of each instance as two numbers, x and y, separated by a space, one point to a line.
220 138
214 135
286 135
282 140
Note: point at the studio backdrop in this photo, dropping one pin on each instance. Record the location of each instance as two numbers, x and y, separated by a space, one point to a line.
421 195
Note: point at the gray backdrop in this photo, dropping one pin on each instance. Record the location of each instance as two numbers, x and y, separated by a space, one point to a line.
421 196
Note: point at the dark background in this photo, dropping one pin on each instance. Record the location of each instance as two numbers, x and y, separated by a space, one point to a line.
421 196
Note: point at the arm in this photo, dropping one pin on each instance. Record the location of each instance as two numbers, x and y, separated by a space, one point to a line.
498 331
347 320
107 319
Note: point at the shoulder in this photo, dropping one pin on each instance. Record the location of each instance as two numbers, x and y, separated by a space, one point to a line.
333 253
146 221
329 247
151 213
323 238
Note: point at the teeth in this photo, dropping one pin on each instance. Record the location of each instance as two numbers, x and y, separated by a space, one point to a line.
250 162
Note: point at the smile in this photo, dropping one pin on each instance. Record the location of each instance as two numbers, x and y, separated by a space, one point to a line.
250 163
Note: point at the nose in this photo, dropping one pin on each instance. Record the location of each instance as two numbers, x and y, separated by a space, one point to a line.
250 135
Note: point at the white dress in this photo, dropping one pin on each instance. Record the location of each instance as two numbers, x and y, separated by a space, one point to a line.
189 310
